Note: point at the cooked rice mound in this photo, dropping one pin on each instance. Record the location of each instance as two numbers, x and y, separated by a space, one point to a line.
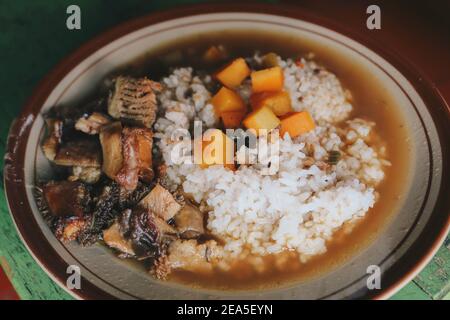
301 204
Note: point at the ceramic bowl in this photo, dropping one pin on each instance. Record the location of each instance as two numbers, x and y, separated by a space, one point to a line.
401 250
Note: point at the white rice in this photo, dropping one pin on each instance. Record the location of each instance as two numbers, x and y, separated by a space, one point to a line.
301 205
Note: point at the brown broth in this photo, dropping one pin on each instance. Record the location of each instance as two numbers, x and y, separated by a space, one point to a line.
370 101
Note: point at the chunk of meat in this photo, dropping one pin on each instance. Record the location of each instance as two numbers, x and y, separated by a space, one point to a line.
89 175
54 137
114 238
136 150
111 142
189 255
134 100
189 222
91 124
161 202
145 145
69 229
82 153
66 198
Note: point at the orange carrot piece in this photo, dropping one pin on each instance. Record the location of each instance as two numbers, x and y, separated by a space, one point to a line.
270 79
296 124
262 118
227 100
279 102
233 74
214 148
233 119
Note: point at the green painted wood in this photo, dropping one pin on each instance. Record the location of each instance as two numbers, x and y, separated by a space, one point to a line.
29 280
411 292
435 278
33 38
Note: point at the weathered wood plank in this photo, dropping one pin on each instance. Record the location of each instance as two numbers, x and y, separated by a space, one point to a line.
411 292
29 280
435 278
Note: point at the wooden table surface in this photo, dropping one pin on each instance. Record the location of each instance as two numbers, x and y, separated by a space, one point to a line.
33 38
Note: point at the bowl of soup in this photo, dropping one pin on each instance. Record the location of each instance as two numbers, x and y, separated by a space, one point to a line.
242 153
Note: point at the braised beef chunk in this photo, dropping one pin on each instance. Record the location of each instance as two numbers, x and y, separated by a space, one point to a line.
70 228
137 160
189 222
104 153
127 154
134 101
161 202
66 198
145 144
92 123
111 142
51 144
188 255
82 153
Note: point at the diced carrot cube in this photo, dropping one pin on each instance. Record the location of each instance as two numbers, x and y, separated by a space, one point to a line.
233 119
262 118
227 100
278 102
233 74
296 124
267 80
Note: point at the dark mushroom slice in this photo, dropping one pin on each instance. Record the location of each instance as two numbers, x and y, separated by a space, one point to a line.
92 124
138 232
134 100
148 234
113 237
70 114
66 198
53 140
103 214
81 153
129 199
161 202
111 142
190 222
